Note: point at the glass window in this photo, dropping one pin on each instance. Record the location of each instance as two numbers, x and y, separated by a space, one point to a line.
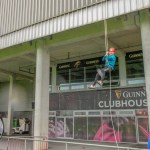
127 129
94 125
64 113
141 112
135 68
62 76
91 113
80 113
60 127
52 113
78 72
109 112
90 73
143 129
51 128
77 75
69 127
80 128
134 64
106 131
115 73
114 78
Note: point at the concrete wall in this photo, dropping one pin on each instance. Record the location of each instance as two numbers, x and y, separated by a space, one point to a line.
22 96
23 21
34 11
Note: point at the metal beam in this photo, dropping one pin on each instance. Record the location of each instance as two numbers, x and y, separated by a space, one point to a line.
16 74
30 58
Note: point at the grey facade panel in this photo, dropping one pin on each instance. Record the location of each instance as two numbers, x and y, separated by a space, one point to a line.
79 17
17 14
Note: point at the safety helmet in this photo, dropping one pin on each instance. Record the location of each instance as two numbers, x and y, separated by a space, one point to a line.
112 49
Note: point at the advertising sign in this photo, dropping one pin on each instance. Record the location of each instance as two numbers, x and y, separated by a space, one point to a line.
100 127
125 98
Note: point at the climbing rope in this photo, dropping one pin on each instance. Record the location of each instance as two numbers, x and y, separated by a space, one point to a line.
106 35
110 91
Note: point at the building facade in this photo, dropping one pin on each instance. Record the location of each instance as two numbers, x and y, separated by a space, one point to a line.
49 52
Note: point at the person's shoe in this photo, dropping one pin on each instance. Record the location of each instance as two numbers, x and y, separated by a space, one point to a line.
91 87
100 82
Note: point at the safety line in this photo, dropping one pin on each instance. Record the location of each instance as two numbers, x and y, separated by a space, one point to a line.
106 48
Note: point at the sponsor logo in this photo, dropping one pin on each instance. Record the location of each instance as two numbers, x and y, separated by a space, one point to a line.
89 62
123 104
136 55
64 66
126 99
77 64
129 94
118 93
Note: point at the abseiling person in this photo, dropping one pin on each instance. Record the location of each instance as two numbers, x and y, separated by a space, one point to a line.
110 61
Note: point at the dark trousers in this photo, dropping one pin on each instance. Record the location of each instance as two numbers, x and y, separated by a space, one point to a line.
101 74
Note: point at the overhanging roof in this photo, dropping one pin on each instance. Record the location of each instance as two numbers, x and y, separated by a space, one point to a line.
23 66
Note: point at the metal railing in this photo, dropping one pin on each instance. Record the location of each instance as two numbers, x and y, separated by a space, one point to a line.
26 143
84 85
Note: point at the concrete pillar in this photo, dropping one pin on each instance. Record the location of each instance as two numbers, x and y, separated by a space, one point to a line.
54 87
33 108
122 68
10 107
41 92
145 35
